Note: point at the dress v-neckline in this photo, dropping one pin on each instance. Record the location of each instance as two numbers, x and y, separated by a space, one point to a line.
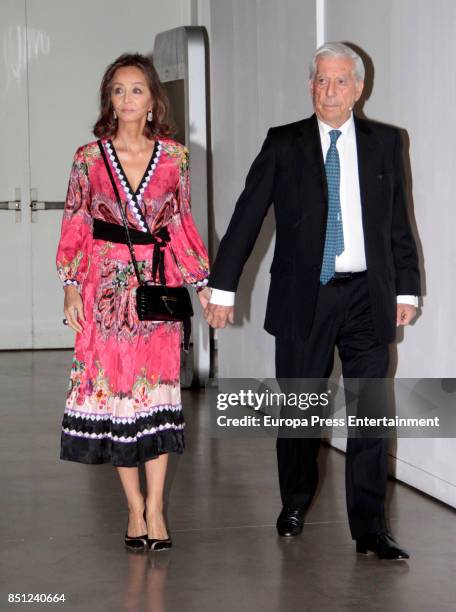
134 198
150 168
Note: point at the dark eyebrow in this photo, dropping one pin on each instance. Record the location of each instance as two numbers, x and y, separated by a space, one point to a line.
136 83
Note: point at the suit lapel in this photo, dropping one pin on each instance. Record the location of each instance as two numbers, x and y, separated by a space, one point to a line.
308 139
309 143
367 155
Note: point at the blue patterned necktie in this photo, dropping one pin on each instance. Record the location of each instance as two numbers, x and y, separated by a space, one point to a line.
334 241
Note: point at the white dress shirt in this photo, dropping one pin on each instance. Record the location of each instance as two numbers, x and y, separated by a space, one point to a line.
353 258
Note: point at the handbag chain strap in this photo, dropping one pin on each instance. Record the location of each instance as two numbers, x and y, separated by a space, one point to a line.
160 238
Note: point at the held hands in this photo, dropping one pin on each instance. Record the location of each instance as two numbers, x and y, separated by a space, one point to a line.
215 315
218 316
204 296
73 308
405 314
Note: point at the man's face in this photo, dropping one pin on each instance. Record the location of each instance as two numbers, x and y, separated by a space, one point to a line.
334 89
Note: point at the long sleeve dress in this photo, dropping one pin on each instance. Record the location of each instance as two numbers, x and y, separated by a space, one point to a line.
123 403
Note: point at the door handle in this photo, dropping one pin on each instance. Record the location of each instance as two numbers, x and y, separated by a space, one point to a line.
36 206
14 205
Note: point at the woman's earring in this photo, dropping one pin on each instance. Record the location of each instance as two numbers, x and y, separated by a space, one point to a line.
150 116
114 114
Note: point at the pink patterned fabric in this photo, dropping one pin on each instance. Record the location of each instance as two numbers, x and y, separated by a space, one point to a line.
123 404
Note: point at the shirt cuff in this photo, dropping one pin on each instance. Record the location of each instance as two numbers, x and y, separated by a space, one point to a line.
221 297
407 299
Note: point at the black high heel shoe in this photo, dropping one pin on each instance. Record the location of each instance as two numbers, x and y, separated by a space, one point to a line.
136 543
155 544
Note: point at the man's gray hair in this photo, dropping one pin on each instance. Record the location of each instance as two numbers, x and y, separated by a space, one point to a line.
338 49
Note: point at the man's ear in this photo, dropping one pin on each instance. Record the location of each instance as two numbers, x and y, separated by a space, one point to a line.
359 90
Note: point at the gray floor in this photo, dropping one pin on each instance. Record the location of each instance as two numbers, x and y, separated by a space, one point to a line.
62 523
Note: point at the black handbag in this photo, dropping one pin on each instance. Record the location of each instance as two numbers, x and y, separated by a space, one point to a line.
155 302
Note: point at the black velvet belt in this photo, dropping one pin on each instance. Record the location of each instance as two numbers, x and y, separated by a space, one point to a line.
112 232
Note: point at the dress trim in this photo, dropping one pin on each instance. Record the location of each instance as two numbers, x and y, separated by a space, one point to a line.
128 439
200 284
109 449
135 197
70 281
79 414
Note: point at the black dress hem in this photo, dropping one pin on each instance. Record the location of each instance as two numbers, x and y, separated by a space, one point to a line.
121 454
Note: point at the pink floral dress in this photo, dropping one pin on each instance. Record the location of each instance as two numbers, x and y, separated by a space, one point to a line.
123 404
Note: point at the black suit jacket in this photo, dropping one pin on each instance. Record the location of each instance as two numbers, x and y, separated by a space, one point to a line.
289 172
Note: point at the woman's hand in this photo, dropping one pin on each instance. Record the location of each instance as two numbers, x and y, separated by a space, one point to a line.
73 308
204 296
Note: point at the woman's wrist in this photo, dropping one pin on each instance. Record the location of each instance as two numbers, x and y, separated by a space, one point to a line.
71 288
200 284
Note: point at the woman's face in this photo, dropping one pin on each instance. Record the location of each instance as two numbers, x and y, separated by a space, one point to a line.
130 95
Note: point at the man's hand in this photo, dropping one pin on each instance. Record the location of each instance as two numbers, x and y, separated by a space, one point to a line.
73 308
218 316
204 296
405 314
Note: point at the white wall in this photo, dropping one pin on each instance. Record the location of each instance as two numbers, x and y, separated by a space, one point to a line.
259 56
83 38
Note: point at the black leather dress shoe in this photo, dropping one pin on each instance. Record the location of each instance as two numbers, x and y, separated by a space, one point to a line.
384 545
290 522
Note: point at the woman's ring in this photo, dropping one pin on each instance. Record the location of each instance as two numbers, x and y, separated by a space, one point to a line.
65 321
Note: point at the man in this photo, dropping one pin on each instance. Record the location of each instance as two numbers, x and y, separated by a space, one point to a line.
344 273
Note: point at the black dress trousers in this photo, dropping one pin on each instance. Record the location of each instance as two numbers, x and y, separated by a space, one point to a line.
342 318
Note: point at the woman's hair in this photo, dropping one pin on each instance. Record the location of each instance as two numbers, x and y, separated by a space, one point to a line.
106 125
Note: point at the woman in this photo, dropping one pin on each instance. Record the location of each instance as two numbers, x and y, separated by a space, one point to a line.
123 404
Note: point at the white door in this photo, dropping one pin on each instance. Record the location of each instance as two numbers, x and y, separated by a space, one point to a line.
16 290
53 89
